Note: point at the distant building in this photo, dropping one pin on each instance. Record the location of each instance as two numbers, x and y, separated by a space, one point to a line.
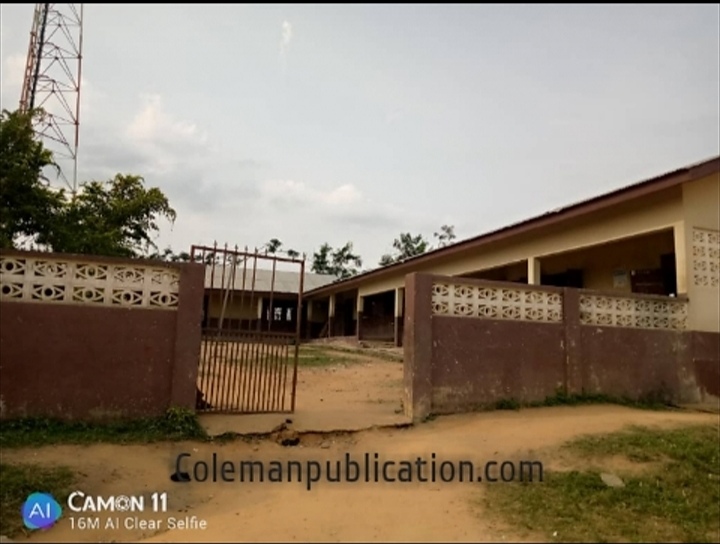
660 236
251 299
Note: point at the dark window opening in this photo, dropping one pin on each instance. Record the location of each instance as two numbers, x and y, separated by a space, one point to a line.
656 281
570 278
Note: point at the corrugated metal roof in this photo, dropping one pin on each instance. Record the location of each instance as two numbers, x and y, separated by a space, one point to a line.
284 281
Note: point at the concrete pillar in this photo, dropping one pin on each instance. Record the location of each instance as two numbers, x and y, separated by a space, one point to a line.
681 258
331 315
417 375
308 320
399 312
260 313
534 272
573 371
359 306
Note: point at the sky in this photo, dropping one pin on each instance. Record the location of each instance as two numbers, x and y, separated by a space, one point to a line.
313 124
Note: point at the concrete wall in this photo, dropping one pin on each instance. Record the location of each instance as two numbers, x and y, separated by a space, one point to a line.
702 249
86 337
471 343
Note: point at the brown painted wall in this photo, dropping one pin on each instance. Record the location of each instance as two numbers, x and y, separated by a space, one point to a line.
706 363
633 363
459 363
479 361
89 361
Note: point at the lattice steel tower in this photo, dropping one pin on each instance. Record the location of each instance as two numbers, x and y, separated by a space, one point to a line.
53 74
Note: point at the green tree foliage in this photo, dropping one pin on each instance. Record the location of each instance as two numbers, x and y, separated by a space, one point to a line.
27 204
275 246
445 236
117 217
407 246
341 262
168 255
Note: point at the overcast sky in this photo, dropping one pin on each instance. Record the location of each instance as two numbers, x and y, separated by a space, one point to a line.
354 123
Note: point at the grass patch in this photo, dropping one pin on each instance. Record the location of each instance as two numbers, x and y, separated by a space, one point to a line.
377 353
176 424
675 500
315 357
19 481
368 351
649 402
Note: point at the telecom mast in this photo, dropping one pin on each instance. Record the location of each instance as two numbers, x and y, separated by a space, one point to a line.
53 74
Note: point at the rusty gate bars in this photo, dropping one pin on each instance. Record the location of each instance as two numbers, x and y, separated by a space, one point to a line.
212 257
266 363
228 343
246 369
204 365
245 346
246 342
275 365
255 352
297 334
216 364
221 365
277 368
237 385
236 342
221 343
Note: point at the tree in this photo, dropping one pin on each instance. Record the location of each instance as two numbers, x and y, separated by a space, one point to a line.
115 218
274 246
168 255
406 246
26 201
445 236
322 259
341 263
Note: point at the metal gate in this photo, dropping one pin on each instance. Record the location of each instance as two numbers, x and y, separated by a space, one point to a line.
251 331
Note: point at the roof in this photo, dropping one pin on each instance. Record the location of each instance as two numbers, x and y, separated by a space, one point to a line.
625 194
283 282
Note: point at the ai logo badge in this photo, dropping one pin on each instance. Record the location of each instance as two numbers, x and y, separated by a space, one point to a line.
40 511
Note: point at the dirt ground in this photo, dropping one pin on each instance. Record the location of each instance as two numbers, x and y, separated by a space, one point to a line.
337 512
363 392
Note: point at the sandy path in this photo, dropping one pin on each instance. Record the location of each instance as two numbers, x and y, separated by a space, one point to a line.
342 511
360 394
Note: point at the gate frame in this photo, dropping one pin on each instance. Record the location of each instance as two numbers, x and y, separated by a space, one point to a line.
201 254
